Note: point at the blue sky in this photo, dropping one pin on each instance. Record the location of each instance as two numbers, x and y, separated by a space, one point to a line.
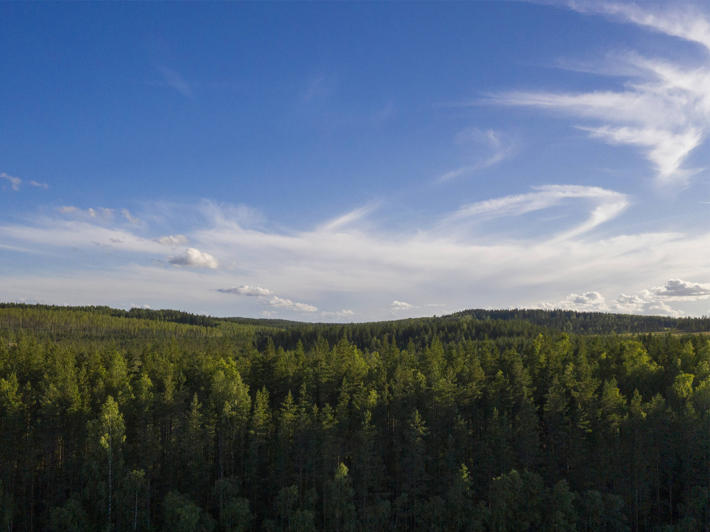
349 162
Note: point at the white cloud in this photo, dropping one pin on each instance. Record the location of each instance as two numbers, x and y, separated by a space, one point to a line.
348 218
13 181
284 303
608 205
676 19
343 314
676 288
16 182
172 240
194 258
663 108
643 303
129 217
358 261
98 214
246 290
587 302
400 305
666 149
647 301
457 172
268 297
318 87
497 148
47 234
175 81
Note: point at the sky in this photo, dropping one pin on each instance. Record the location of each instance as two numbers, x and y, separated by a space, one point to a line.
356 161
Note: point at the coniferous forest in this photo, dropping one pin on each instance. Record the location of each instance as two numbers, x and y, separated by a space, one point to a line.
482 420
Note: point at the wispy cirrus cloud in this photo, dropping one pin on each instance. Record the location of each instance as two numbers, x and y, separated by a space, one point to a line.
172 240
663 108
490 147
608 204
349 218
15 182
174 80
677 19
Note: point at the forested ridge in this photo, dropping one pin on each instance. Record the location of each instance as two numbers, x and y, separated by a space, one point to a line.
480 420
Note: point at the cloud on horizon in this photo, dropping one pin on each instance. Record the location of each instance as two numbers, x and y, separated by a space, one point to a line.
652 301
268 297
352 257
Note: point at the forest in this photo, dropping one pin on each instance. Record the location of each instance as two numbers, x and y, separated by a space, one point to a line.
507 420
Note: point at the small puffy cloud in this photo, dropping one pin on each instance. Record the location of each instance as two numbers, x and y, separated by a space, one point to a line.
13 181
37 184
647 302
280 302
100 212
246 290
172 240
653 301
677 288
268 297
400 305
338 314
194 258
590 301
588 298
643 303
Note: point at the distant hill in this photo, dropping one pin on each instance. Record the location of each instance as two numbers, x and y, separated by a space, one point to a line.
569 321
592 322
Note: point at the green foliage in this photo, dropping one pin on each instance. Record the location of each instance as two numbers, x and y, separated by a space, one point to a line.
181 514
483 420
70 517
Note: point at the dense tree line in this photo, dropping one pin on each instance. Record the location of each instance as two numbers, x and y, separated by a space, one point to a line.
175 316
559 320
465 422
592 322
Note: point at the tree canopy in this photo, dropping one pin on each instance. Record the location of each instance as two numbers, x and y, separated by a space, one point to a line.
482 420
